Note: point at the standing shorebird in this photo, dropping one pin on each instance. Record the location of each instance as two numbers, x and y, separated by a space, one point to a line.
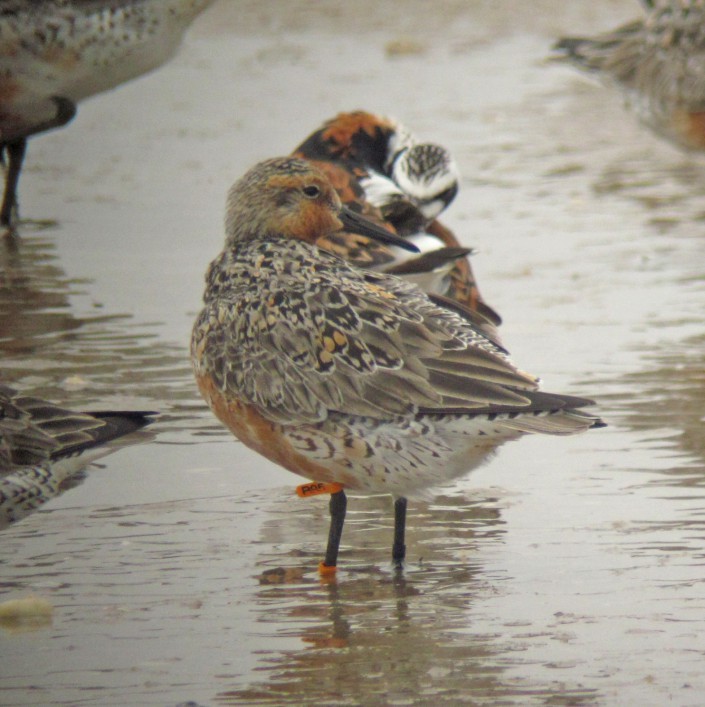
347 376
55 53
658 63
381 170
42 445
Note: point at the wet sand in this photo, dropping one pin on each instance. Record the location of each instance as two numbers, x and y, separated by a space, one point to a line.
563 572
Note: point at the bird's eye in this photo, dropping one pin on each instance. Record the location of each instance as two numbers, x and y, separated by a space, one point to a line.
311 191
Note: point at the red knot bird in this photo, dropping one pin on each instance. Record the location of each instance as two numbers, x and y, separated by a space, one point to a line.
658 63
55 53
381 170
42 445
351 378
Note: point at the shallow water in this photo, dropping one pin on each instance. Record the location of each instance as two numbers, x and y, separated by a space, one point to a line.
564 571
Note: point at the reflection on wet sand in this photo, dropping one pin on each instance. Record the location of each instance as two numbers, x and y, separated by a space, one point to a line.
370 627
34 298
376 635
670 404
94 361
47 345
669 195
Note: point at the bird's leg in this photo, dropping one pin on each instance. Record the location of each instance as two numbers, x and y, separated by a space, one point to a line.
338 506
399 548
65 111
15 156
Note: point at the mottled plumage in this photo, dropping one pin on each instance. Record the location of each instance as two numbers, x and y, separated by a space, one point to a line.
55 53
658 63
347 375
410 182
42 444
379 168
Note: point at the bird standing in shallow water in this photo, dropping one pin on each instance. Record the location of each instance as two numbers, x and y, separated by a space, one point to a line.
381 170
348 376
658 63
55 53
42 445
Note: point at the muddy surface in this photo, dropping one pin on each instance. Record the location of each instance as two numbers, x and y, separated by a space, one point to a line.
563 572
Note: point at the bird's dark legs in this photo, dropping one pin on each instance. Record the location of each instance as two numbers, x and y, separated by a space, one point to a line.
399 548
15 150
338 506
15 156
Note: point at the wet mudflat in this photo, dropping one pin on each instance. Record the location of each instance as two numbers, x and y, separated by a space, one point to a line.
565 571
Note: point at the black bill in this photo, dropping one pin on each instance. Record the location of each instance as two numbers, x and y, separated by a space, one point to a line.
356 223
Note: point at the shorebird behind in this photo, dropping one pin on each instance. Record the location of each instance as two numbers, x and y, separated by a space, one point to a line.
657 63
55 53
381 170
42 445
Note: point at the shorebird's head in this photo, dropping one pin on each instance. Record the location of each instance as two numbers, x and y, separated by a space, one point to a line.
291 198
428 174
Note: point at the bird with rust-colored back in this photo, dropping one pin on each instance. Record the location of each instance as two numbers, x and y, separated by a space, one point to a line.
379 168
